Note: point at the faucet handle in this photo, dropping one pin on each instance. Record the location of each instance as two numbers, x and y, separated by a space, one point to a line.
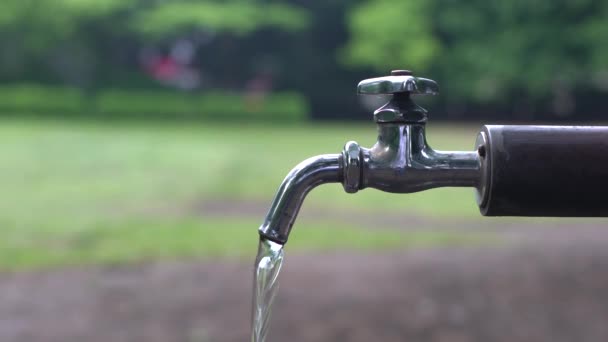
400 81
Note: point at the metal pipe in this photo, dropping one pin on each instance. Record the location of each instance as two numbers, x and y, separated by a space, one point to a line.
304 177
557 171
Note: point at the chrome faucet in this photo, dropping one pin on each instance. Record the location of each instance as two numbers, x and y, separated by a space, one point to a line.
508 167
401 161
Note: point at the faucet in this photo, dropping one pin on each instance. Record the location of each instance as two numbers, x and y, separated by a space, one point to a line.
515 170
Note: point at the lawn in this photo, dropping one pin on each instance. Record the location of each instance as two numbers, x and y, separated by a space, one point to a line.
87 192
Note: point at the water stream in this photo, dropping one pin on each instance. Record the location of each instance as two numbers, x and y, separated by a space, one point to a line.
267 267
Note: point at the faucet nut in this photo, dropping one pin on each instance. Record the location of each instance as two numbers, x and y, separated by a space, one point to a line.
351 161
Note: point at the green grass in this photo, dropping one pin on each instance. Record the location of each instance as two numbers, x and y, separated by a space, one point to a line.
82 192
135 240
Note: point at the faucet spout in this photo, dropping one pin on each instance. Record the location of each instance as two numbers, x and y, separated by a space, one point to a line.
304 177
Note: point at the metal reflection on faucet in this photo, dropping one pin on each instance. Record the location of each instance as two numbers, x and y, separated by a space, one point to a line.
402 162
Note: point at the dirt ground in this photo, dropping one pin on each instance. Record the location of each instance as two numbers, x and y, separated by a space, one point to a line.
538 284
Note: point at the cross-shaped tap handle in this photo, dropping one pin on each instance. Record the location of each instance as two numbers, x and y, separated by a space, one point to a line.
400 81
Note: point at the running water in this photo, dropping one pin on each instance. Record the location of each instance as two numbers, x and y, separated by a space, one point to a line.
267 266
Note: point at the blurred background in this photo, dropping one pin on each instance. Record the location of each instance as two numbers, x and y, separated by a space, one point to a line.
141 142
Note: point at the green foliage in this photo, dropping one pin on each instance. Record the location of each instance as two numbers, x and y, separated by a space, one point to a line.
144 103
38 26
52 100
214 105
496 55
41 23
385 33
55 20
237 17
481 49
37 98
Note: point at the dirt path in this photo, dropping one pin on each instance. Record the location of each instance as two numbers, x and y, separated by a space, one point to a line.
546 285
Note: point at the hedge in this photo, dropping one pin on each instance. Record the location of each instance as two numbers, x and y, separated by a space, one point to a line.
129 103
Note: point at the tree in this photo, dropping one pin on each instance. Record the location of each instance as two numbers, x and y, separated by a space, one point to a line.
74 40
237 17
487 51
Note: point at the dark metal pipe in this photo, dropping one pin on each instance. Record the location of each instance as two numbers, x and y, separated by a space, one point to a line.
556 171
